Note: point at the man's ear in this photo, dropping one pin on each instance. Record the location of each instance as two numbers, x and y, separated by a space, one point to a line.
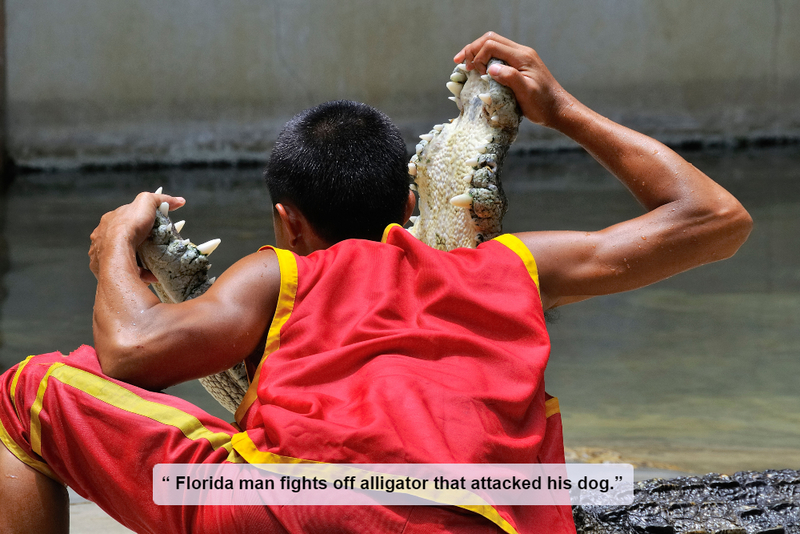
411 203
287 225
294 232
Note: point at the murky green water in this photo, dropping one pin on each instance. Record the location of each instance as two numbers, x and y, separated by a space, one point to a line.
701 371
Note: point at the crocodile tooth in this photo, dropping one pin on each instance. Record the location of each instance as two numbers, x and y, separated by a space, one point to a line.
455 88
486 78
495 118
179 226
414 158
472 162
426 137
462 67
159 190
458 77
438 127
164 208
412 187
481 149
462 201
413 219
412 169
486 97
419 148
452 98
187 242
209 246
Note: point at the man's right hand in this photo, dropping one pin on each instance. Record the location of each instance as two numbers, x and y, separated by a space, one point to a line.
539 95
690 219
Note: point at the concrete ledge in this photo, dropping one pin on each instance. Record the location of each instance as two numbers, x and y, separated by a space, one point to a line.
87 518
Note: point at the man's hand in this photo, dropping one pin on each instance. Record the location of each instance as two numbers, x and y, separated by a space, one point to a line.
691 220
155 345
126 227
538 93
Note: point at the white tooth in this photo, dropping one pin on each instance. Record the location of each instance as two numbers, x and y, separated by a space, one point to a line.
159 190
486 78
187 242
438 127
461 201
452 98
473 162
179 226
413 219
426 137
412 169
481 149
455 88
413 187
495 118
489 139
458 77
462 67
486 97
414 158
420 146
209 246
164 208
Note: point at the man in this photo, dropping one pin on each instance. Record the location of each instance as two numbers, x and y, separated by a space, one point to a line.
366 351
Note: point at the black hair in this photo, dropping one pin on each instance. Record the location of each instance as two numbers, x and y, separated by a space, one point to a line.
344 165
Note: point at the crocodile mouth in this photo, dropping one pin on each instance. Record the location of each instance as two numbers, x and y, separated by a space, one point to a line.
457 165
181 268
457 171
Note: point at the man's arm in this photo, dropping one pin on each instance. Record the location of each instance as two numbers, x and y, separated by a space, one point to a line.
691 220
154 345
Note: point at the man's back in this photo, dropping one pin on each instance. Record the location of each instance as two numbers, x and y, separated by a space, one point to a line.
397 352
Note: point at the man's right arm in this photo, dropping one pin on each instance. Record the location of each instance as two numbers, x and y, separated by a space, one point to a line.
690 219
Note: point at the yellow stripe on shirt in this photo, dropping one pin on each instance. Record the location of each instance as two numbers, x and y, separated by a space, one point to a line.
283 310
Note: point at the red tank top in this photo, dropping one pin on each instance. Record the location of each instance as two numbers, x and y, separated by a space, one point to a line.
396 352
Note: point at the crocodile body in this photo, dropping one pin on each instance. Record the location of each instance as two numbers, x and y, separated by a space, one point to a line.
457 173
747 502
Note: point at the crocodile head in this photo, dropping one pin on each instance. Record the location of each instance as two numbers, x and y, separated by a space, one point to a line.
457 170
457 165
182 272
180 266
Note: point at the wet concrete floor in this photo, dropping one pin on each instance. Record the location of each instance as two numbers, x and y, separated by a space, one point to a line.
698 373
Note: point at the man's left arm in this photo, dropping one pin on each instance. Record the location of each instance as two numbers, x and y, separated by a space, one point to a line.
154 345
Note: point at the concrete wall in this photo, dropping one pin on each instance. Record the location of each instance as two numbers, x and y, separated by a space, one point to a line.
108 81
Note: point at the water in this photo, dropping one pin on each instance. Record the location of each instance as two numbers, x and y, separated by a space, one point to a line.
697 372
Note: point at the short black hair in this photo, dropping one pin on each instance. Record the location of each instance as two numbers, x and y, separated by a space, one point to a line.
344 165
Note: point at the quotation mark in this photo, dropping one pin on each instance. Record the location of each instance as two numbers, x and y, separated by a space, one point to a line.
165 479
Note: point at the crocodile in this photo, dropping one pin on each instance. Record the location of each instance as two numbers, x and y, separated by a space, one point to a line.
457 165
457 170
181 268
457 173
747 502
